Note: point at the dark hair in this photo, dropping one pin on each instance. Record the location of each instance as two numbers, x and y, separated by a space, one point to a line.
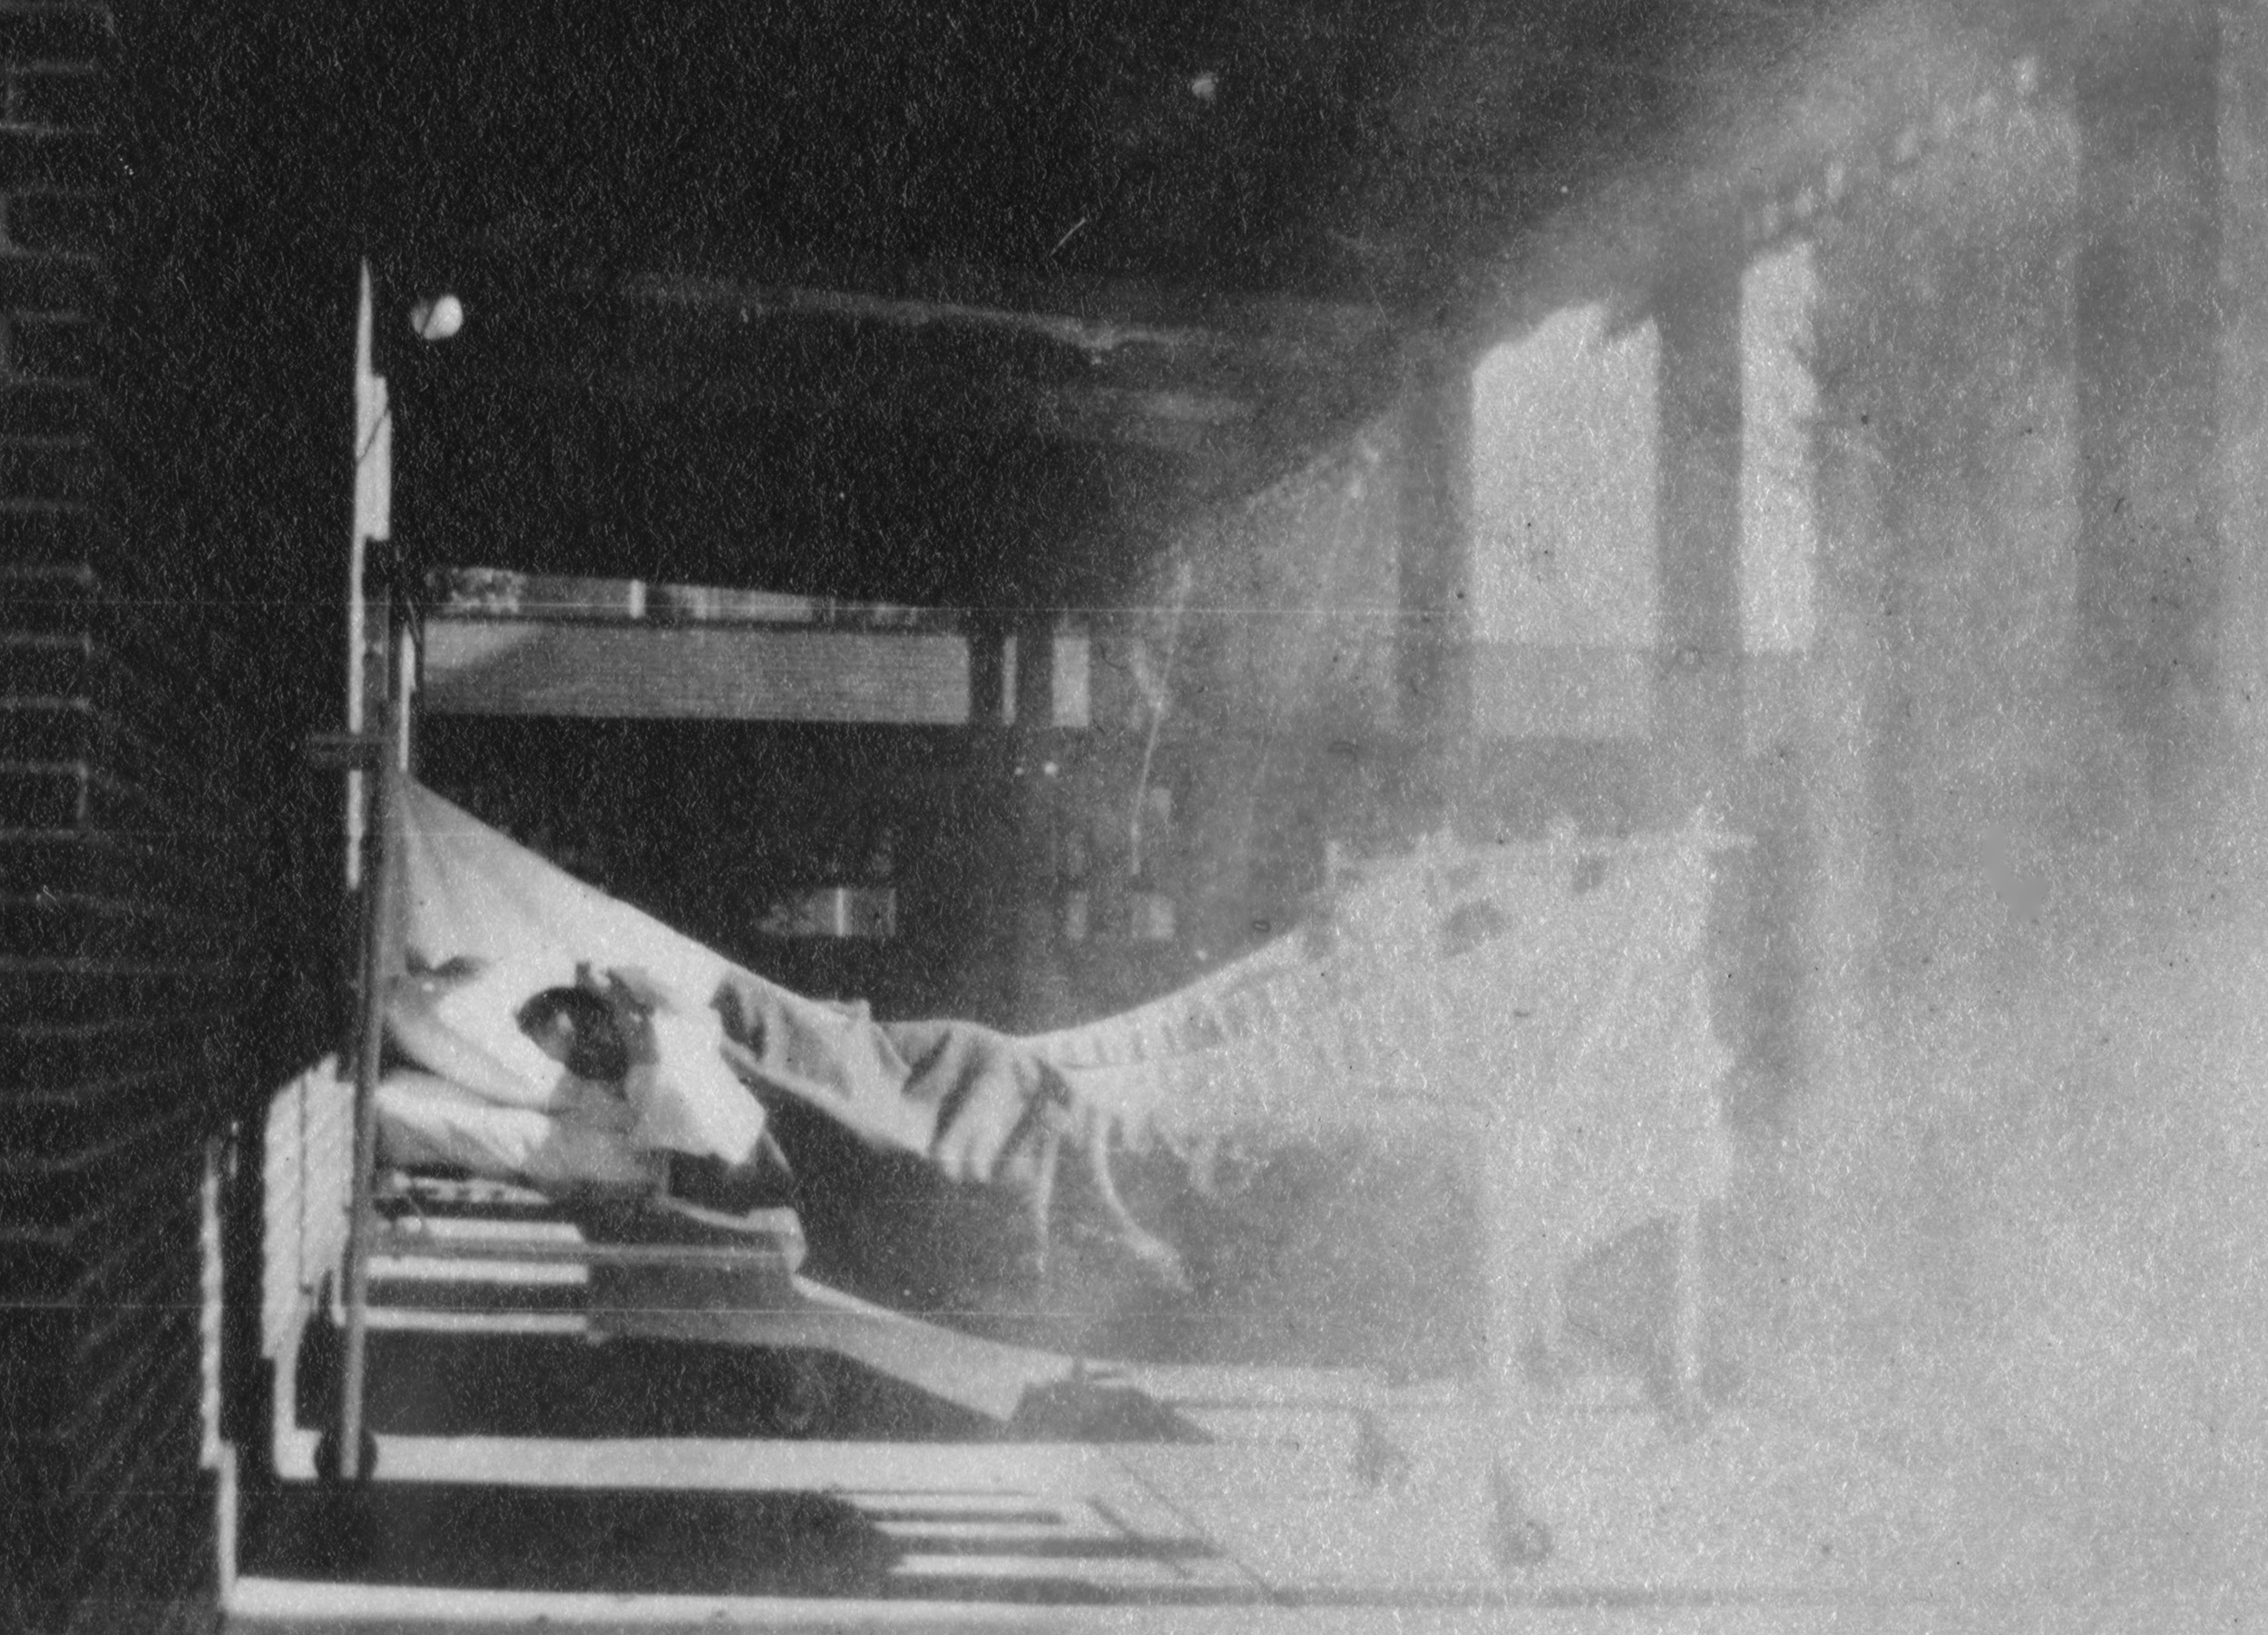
595 1046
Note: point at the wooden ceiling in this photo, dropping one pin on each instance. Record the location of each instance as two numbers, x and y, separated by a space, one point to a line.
942 303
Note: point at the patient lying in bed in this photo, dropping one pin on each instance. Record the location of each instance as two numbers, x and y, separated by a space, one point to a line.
599 1128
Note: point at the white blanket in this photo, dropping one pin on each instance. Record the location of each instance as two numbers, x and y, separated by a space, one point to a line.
1535 998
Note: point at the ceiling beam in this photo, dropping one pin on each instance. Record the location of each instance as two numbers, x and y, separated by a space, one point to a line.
1098 322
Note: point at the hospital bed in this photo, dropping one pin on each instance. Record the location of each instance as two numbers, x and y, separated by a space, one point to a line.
403 1161
426 643
1559 973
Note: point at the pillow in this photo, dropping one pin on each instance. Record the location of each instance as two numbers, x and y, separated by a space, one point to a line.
456 1020
426 1120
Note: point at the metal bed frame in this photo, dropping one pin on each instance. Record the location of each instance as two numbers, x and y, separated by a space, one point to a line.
615 662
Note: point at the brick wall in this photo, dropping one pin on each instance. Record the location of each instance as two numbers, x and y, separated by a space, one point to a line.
118 947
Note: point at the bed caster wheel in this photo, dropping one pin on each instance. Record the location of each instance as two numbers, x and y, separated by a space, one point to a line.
340 1526
326 1459
1517 1540
797 1400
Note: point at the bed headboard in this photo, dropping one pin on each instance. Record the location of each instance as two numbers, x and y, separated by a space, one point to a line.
509 643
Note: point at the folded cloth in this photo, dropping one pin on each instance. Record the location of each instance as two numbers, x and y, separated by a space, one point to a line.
980 1105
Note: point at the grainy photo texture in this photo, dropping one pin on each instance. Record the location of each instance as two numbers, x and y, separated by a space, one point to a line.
1133 814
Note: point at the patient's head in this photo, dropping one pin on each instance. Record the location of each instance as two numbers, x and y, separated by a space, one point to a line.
578 1028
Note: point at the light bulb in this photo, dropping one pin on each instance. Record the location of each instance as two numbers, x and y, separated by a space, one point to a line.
438 319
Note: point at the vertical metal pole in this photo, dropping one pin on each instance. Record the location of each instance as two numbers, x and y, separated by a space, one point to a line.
371 801
1433 650
381 958
373 521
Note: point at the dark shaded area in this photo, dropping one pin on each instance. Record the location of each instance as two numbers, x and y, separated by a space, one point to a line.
229 362
842 464
716 428
425 1384
1324 148
1228 179
215 316
707 826
471 1537
885 1227
434 1383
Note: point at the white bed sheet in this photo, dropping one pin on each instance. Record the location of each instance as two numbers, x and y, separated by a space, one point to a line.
425 1120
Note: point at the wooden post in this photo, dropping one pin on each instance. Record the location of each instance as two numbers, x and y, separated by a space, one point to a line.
1699 725
1035 966
1434 652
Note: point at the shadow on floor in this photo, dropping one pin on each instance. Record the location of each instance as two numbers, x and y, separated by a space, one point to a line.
478 1538
429 1383
469 1538
425 1384
496 1538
